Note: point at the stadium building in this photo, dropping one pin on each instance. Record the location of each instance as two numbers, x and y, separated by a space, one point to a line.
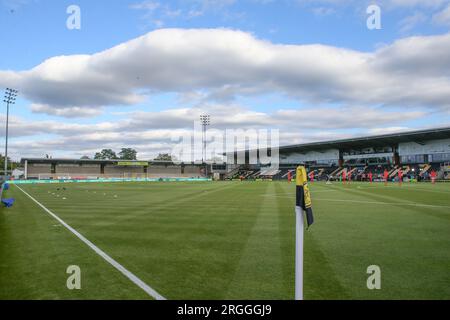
416 153
84 169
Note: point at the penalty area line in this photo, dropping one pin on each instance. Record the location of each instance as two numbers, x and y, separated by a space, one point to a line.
141 284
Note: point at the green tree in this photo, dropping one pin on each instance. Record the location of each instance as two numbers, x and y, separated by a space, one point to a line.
163 157
105 154
85 158
11 164
128 154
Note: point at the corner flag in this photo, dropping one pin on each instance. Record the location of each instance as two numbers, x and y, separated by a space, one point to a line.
303 197
302 203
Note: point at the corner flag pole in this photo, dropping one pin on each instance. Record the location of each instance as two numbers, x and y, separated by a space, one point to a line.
298 253
303 203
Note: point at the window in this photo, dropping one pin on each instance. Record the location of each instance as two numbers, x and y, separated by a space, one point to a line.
439 157
417 158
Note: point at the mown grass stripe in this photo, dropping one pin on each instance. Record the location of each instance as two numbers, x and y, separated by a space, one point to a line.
149 290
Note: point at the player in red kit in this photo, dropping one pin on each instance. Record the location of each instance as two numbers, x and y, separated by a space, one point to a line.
370 176
344 176
386 176
433 176
311 176
400 176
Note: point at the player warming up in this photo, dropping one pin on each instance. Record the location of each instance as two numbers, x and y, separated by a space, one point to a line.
386 176
433 176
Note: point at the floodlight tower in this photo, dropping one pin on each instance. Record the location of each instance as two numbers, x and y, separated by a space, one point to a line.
10 98
205 119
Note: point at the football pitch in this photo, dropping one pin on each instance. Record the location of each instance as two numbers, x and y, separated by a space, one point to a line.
225 240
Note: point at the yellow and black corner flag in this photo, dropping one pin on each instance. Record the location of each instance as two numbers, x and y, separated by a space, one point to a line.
303 197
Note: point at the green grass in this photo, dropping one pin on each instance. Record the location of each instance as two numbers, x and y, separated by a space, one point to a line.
227 240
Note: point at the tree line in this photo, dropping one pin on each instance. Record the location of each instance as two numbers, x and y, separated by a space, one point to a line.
109 154
124 154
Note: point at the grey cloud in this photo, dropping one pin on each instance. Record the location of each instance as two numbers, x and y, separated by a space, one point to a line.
162 123
152 132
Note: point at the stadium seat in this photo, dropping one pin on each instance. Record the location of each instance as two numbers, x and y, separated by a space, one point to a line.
8 202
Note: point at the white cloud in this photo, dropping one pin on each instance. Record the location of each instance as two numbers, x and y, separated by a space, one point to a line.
387 130
384 3
412 21
323 11
204 6
67 112
415 3
15 4
442 17
263 2
146 5
223 64
159 13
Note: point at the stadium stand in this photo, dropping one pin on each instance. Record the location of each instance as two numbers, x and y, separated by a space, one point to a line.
268 173
417 153
76 169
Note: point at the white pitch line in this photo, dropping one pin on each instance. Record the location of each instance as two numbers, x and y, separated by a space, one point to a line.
141 284
384 203
293 196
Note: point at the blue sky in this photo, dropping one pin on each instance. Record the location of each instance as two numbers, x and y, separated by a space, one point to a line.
307 60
